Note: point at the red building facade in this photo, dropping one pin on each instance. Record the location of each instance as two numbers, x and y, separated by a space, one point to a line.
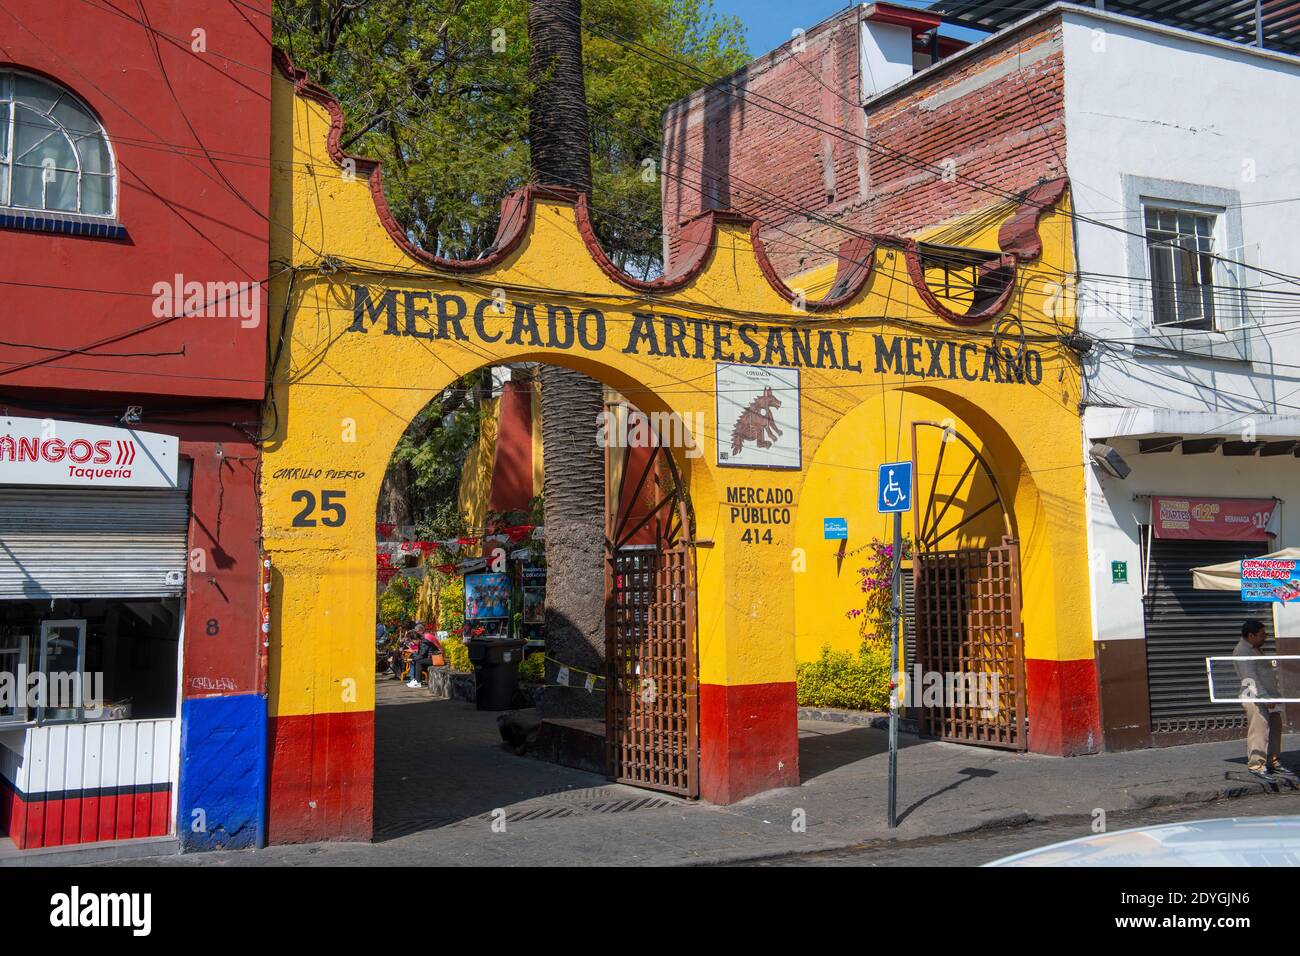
134 232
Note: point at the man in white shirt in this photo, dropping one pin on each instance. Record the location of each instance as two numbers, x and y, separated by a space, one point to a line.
1263 721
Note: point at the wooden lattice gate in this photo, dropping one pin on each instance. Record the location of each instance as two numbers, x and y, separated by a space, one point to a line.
651 700
968 611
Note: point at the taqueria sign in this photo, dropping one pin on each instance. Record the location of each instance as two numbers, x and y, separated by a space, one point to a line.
43 451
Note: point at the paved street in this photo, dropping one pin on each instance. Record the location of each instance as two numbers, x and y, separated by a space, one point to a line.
984 846
441 773
439 762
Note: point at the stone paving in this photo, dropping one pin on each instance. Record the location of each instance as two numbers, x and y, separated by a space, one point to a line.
438 762
441 773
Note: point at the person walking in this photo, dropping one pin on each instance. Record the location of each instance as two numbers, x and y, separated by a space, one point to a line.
1263 720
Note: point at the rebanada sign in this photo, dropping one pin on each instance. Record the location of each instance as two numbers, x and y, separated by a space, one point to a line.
43 451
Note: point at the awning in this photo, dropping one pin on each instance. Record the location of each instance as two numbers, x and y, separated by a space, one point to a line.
1227 19
1227 576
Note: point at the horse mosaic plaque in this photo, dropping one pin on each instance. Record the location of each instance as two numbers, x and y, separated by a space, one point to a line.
758 417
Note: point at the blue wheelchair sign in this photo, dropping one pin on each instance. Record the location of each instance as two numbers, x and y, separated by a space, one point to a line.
894 493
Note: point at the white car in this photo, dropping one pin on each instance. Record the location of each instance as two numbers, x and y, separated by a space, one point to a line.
1237 841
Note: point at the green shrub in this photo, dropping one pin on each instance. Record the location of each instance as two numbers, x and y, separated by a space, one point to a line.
397 602
532 670
842 679
456 653
451 604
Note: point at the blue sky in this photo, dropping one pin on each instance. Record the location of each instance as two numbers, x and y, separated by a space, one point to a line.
769 22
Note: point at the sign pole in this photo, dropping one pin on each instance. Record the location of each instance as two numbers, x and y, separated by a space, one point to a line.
895 616
894 496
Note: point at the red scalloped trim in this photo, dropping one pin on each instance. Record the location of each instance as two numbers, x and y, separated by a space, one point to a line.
1019 234
988 310
509 232
1019 241
857 260
1018 237
698 239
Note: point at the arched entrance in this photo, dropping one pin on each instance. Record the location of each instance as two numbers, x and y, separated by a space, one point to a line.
368 328
470 556
967 598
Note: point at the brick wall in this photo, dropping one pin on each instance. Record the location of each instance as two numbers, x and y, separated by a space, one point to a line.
737 151
995 116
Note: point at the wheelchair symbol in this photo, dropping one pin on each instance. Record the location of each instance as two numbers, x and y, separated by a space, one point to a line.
895 488
892 494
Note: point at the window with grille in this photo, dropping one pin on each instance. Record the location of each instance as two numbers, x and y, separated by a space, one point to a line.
1180 254
54 154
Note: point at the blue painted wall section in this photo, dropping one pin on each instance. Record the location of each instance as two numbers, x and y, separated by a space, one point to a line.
223 767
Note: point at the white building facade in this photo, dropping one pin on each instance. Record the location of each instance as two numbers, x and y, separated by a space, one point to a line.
1185 173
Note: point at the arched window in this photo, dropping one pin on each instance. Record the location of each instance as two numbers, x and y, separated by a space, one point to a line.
54 154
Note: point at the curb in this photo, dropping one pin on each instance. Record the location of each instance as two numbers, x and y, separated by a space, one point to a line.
863 718
1004 821
84 854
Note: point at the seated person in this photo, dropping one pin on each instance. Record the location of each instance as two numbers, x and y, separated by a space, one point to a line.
424 651
396 656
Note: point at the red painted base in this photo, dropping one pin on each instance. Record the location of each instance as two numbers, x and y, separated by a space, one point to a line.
33 821
322 777
1064 713
749 740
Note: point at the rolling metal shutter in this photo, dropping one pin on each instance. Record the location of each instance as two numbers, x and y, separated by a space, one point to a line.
101 543
1184 626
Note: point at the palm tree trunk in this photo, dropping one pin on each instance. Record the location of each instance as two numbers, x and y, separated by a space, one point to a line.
395 495
574 464
559 140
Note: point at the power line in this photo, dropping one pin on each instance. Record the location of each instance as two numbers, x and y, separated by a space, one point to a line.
805 119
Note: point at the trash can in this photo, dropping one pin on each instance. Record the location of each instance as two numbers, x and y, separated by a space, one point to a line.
496 671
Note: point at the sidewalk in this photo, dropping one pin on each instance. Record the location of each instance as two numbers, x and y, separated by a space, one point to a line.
439 767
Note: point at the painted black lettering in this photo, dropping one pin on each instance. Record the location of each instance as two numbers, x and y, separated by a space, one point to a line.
525 321
721 338
674 337
913 356
967 351
1034 368
801 348
411 312
362 308
936 358
596 318
559 327
451 310
643 330
844 355
826 351
746 332
889 357
775 348
480 325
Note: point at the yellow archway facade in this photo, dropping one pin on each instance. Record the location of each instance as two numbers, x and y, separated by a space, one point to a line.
368 330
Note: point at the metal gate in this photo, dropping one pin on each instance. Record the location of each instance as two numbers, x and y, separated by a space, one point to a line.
967 609
651 700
